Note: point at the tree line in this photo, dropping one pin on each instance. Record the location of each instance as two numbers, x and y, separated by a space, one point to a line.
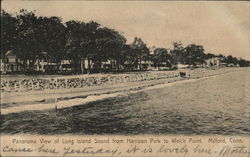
33 37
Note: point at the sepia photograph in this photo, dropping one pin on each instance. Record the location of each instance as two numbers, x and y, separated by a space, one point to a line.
125 68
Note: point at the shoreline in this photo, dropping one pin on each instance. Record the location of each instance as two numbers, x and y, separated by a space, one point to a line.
76 99
7 97
205 105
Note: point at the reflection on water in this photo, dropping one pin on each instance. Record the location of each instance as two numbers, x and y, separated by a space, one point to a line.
218 105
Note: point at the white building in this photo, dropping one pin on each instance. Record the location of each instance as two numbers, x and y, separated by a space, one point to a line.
213 62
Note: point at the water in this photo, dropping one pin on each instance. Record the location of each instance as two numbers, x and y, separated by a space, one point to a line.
216 105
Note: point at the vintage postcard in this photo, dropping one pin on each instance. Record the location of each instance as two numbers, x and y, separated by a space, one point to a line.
125 78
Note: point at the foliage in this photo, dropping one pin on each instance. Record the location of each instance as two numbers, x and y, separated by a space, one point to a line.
194 55
177 52
161 55
51 37
141 50
8 32
33 37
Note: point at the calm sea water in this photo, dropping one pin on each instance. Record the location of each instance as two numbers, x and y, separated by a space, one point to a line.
216 105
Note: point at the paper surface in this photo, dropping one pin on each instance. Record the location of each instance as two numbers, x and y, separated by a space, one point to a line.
153 115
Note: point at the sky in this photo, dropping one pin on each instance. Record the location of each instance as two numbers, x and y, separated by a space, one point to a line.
221 27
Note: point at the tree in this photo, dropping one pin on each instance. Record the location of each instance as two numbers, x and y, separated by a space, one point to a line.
27 45
222 58
161 55
231 60
243 63
177 52
89 43
32 37
209 56
141 50
88 40
80 42
51 38
128 56
8 32
109 45
194 55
